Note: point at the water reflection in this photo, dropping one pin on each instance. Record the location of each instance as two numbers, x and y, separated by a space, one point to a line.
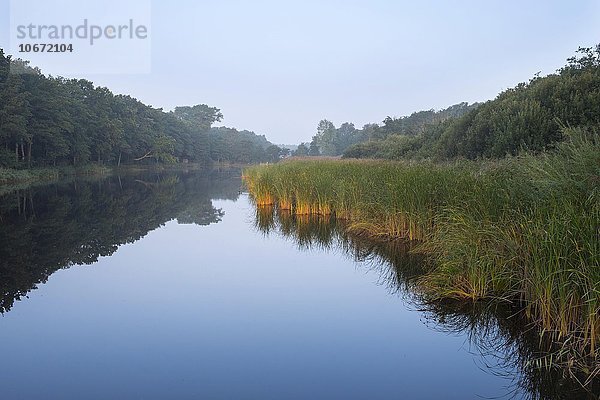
46 228
282 320
498 336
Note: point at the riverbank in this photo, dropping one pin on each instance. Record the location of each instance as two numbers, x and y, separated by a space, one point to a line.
522 230
33 175
19 177
16 176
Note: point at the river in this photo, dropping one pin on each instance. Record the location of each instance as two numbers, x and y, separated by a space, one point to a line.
163 285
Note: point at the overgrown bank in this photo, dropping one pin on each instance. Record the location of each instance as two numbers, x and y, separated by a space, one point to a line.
22 176
11 176
523 230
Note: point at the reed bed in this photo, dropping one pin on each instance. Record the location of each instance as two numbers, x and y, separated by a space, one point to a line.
523 230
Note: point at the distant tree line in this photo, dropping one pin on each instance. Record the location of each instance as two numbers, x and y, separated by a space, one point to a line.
242 147
332 141
529 117
47 120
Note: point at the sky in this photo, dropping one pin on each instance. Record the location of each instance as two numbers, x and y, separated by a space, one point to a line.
279 67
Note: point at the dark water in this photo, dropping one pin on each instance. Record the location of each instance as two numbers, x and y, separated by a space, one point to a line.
172 285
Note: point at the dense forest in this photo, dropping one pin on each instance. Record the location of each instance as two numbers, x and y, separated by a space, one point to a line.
529 117
47 121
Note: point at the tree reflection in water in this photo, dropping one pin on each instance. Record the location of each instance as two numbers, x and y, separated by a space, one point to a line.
46 228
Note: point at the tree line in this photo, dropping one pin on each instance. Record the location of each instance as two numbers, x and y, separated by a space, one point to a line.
332 141
48 121
529 117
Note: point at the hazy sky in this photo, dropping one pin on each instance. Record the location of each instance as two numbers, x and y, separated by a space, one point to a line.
278 67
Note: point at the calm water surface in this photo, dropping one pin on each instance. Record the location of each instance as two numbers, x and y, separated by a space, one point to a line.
171 286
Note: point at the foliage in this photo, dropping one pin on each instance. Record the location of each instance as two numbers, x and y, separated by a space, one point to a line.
49 121
529 117
14 175
301 150
346 139
241 147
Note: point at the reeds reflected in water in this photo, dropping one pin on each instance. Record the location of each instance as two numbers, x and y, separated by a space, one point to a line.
501 337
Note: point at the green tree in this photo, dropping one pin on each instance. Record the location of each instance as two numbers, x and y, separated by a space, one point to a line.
274 153
200 116
326 138
14 115
313 150
302 150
